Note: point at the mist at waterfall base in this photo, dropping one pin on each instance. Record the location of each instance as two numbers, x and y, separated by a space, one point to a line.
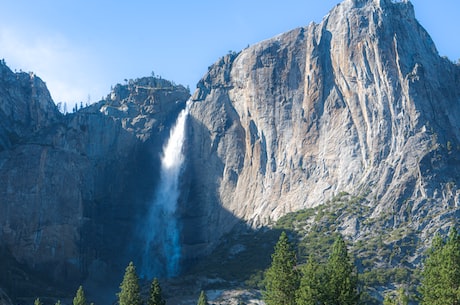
162 253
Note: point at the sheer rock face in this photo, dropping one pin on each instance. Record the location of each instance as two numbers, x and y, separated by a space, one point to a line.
73 187
360 103
25 106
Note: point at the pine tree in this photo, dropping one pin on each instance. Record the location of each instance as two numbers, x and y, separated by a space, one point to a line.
155 297
129 288
310 289
38 302
440 283
342 280
203 299
80 298
282 277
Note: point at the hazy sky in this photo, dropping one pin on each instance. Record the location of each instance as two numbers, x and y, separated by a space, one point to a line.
80 47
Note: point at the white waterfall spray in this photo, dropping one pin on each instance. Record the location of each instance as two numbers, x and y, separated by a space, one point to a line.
161 257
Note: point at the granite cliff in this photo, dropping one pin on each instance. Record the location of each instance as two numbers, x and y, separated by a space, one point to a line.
360 103
73 186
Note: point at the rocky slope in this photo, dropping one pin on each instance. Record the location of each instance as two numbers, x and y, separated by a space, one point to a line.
72 187
360 103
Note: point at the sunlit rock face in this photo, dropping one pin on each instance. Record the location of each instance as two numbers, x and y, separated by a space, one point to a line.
360 103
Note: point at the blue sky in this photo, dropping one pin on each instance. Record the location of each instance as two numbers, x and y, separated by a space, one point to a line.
81 48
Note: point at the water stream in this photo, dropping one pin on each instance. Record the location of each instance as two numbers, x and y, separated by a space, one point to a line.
162 253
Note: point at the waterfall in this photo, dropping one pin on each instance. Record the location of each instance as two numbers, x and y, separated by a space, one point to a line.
162 253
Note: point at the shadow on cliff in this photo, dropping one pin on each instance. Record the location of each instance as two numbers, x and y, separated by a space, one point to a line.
111 239
240 256
216 243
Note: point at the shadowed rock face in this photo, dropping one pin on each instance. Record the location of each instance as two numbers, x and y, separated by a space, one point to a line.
25 106
73 187
360 103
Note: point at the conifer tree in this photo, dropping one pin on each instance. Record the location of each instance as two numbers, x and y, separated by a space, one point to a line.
80 298
281 278
129 288
203 299
38 302
310 289
155 297
440 283
342 280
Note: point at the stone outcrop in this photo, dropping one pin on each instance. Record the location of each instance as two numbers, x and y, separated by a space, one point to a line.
25 106
360 103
